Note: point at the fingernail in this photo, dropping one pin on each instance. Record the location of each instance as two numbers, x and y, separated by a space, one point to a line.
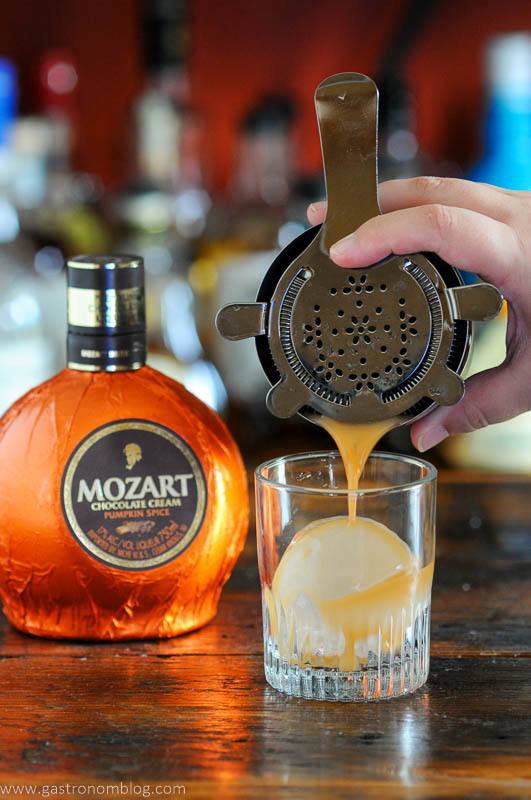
312 208
342 247
431 437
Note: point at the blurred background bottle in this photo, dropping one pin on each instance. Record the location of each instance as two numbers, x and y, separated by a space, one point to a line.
183 130
28 346
161 211
506 162
263 209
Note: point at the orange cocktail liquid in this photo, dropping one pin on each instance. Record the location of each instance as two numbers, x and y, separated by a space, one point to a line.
346 586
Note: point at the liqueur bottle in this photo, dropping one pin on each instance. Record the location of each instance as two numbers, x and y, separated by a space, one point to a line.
506 159
123 497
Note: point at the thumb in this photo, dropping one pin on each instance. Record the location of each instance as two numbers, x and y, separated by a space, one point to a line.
490 396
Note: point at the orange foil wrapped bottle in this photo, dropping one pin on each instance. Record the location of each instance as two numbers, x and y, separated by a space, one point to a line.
123 498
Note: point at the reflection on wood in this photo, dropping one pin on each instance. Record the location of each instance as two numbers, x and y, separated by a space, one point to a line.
195 710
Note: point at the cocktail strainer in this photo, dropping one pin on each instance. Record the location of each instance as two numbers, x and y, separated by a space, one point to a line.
366 344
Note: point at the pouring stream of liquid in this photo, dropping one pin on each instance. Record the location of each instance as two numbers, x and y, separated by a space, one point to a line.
346 585
355 443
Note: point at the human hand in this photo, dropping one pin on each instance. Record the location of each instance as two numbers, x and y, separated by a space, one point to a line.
474 227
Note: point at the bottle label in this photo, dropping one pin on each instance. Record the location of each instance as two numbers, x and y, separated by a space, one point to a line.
134 494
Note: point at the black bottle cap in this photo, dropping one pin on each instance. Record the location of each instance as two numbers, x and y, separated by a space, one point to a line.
106 313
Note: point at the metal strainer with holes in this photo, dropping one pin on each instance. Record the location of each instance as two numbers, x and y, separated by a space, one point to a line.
358 345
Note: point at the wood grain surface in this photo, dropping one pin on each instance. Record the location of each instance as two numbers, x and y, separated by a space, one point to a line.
196 713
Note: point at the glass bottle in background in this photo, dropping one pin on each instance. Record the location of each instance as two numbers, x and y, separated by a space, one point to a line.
57 90
507 134
145 217
244 233
9 221
262 181
59 209
8 110
28 351
506 162
58 206
399 155
166 157
505 447
162 210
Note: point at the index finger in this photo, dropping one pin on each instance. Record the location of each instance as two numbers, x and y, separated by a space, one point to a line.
464 238
424 190
481 197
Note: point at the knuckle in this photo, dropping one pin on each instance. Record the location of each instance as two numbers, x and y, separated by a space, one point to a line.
516 207
427 185
475 417
439 219
519 220
522 242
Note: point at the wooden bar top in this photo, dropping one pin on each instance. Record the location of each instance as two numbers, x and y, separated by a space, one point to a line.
195 712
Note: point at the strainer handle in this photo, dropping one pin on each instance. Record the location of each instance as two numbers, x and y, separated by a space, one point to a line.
347 111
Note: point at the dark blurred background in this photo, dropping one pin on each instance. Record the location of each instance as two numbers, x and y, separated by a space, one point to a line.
184 130
234 53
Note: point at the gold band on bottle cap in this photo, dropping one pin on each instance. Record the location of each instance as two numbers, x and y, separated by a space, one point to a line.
106 293
111 308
